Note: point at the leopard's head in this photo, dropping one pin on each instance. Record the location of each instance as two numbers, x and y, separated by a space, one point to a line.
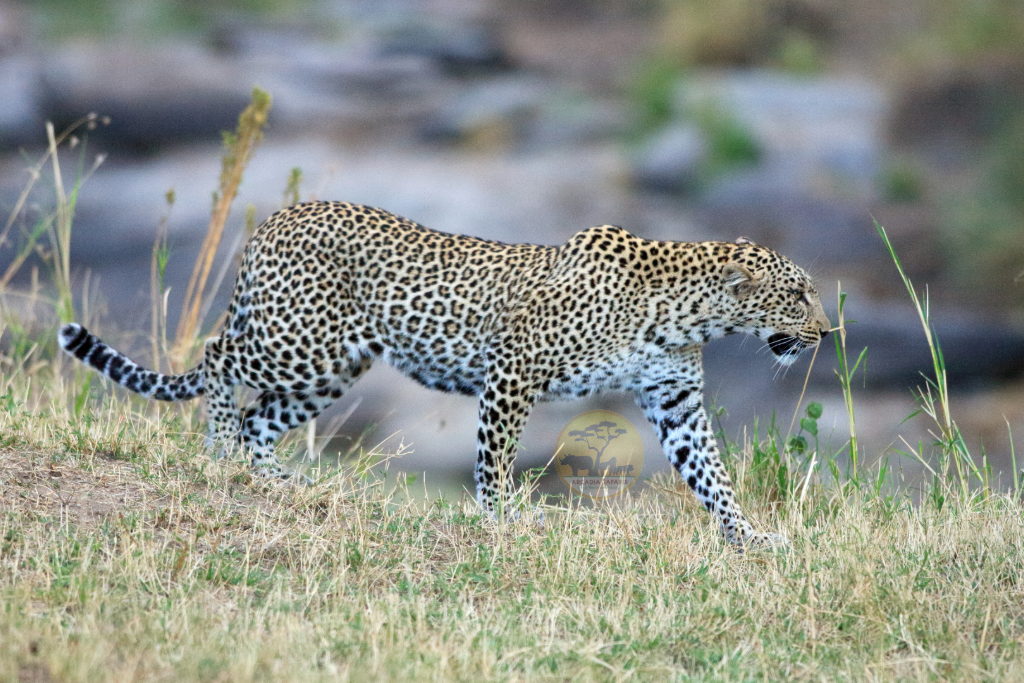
773 299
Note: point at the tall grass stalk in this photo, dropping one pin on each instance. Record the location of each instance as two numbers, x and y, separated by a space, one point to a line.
239 148
35 172
157 290
61 232
232 258
803 392
845 374
1013 460
933 398
58 224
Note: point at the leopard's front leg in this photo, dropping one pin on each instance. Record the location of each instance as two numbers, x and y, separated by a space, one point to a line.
674 405
505 404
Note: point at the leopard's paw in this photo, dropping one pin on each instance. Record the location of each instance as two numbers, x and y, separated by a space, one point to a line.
282 475
766 541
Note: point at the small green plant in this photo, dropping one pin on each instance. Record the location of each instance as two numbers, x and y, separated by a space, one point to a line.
291 190
903 183
730 143
652 91
800 53
772 468
809 426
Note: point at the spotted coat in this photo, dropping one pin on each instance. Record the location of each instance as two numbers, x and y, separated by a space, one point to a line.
326 288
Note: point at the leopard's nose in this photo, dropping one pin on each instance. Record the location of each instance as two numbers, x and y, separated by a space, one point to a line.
824 333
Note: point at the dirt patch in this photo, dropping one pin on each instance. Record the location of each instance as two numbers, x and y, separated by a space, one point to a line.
34 482
87 491
34 673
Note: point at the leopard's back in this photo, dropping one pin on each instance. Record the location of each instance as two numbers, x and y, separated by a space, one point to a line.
335 280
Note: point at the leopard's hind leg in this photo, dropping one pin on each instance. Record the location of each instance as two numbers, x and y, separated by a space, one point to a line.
222 409
273 413
256 428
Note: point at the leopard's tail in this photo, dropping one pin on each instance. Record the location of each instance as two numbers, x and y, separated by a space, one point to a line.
88 348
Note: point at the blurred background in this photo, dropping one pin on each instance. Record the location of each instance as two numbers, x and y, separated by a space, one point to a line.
792 122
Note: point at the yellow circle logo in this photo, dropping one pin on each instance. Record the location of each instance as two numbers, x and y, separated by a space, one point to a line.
599 454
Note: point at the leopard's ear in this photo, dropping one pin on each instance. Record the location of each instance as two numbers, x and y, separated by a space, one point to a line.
739 281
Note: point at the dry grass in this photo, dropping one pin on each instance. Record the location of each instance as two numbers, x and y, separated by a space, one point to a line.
127 554
239 148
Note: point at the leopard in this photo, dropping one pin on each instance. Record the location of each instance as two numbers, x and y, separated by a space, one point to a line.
326 288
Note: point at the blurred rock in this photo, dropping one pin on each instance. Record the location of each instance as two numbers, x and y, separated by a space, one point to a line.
181 93
21 119
947 110
332 89
815 232
154 96
818 135
247 35
671 160
20 81
569 119
458 48
978 351
489 114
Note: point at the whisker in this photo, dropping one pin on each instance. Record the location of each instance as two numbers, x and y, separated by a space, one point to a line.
784 366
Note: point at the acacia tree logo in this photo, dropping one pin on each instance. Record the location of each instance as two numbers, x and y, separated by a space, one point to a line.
593 435
601 454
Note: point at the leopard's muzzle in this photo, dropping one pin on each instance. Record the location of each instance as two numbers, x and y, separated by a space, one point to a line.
785 344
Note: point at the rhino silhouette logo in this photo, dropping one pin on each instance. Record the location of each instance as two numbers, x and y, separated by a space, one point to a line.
577 463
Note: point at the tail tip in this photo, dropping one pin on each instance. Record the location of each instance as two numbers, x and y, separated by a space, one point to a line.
68 334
